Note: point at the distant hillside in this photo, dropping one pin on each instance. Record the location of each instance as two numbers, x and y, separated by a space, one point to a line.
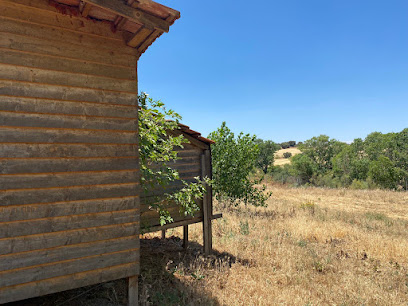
280 160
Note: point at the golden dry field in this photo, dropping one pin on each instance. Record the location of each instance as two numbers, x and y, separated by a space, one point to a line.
280 160
311 246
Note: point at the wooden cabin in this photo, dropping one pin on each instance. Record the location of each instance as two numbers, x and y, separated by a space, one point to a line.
69 168
194 161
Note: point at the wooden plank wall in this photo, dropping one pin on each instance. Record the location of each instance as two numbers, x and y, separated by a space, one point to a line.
189 166
69 191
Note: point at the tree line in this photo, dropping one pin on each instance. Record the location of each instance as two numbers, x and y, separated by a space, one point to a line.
378 161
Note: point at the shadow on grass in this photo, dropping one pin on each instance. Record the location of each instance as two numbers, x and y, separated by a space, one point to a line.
170 275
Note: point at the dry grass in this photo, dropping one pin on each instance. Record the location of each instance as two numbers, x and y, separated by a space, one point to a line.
280 160
311 246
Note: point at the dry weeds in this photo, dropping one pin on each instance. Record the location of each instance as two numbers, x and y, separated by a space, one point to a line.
311 246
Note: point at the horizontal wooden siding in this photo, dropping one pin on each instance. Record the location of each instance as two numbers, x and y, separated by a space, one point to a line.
69 174
189 167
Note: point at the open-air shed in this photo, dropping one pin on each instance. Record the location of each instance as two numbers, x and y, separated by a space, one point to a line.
194 161
69 169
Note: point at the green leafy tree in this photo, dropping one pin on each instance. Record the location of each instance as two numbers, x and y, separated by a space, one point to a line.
383 172
321 151
233 160
157 152
266 157
304 167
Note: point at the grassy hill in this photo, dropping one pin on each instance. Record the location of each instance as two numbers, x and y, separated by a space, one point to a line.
280 160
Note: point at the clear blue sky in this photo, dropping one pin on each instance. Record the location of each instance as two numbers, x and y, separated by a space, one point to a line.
284 70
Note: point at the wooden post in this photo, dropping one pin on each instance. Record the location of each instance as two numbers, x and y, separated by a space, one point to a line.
207 210
133 298
163 234
185 236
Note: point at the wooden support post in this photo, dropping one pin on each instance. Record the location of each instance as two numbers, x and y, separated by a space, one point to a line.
207 199
185 237
163 234
133 296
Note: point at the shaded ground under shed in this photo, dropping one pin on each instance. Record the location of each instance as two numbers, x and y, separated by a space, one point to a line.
166 271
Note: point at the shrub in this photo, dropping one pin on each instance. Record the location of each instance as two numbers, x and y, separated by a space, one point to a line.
283 174
285 145
357 184
287 155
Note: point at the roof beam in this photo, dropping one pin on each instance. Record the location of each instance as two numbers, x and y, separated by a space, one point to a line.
134 14
85 10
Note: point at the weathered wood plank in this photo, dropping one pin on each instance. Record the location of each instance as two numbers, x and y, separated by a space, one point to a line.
66 179
34 274
32 150
41 12
133 296
66 223
189 148
51 195
20 119
57 239
60 209
64 50
149 40
67 65
207 209
48 135
185 236
27 74
28 290
137 39
45 106
21 27
136 15
58 92
156 228
39 257
23 165
171 187
180 166
188 153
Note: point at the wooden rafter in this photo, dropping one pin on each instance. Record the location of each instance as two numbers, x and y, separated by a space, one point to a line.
85 9
133 14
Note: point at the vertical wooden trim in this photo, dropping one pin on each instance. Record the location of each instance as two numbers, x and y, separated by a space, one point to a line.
209 195
207 231
133 291
185 236
163 234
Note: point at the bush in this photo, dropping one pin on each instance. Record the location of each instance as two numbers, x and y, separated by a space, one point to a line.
283 174
292 143
285 145
357 184
287 155
233 160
